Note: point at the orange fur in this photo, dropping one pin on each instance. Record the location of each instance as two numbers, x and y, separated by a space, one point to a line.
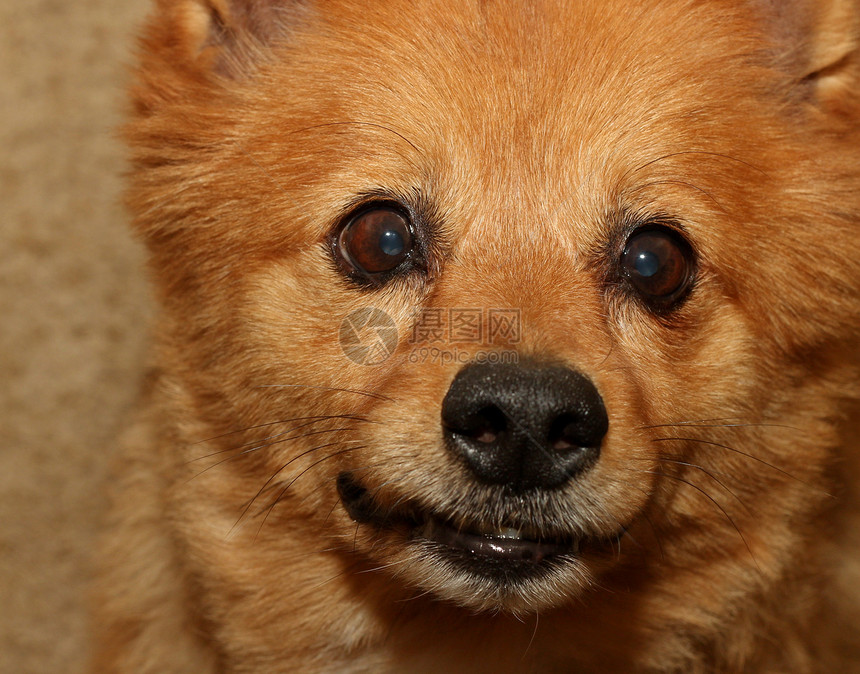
530 132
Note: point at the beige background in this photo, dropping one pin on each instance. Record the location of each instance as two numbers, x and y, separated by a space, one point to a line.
73 312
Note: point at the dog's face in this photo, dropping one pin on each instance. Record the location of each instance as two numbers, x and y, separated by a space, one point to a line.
507 305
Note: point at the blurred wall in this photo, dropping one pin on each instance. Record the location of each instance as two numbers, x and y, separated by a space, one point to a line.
73 311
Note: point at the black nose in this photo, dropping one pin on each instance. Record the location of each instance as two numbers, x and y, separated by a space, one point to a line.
524 426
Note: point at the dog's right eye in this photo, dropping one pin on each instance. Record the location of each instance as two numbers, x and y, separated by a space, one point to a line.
658 263
375 241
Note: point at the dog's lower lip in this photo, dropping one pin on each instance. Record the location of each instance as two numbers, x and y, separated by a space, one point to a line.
502 544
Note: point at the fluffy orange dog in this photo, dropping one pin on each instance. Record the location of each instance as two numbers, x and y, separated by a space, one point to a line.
496 336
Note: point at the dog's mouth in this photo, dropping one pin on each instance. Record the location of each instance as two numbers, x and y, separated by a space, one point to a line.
487 550
505 544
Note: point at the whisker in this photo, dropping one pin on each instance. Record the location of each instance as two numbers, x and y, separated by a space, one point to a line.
716 504
382 567
399 478
264 445
647 519
534 634
275 474
340 574
319 417
608 513
414 597
369 394
606 357
747 455
712 476
292 482
369 466
295 458
312 421
656 535
720 423
331 512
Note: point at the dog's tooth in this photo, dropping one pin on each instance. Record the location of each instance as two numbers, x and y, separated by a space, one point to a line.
493 531
508 532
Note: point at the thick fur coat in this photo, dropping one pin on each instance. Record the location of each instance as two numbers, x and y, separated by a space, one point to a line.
282 505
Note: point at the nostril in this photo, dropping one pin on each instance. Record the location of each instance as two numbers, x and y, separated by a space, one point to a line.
569 431
564 433
484 426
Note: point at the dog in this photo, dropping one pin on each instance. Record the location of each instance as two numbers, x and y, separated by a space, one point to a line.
494 336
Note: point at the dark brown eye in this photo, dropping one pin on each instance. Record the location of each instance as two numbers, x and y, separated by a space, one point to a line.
375 241
658 263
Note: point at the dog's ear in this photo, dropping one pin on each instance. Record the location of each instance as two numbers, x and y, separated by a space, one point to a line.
194 46
222 37
817 44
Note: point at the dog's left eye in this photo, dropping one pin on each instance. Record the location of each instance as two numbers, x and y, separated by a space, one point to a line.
375 241
658 263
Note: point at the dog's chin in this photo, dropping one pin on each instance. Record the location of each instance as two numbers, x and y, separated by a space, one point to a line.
513 568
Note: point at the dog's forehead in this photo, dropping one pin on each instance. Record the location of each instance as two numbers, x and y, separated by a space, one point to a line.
533 105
